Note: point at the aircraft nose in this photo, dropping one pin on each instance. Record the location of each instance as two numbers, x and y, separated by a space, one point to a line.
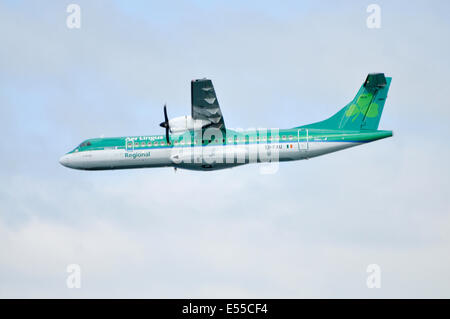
64 160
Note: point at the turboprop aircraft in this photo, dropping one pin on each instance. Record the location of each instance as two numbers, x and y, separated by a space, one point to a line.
201 141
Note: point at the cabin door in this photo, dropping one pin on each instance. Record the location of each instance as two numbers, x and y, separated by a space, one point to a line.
129 144
303 139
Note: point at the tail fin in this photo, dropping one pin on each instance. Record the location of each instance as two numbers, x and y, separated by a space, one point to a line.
364 112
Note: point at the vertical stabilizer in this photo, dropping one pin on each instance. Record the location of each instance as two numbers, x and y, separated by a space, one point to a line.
364 111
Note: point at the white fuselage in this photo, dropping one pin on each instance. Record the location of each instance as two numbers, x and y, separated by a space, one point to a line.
206 157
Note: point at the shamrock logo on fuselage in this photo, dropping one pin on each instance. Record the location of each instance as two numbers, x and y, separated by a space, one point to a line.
361 106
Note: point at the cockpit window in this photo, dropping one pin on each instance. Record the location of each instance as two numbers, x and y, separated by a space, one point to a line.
85 144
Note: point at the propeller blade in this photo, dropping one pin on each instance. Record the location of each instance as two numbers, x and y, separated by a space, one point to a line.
166 119
165 124
167 135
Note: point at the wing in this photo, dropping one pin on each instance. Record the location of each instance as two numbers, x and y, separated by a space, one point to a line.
205 105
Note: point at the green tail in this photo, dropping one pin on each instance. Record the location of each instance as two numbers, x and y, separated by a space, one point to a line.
364 112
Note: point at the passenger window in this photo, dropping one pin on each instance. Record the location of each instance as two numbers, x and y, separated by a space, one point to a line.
155 143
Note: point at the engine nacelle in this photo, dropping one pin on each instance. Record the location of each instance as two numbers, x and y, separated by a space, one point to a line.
185 123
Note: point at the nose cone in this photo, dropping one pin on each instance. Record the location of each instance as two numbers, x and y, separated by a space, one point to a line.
64 160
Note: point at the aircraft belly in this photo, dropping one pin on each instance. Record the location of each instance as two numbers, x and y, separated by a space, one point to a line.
322 148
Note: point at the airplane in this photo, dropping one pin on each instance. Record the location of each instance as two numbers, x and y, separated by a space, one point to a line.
202 142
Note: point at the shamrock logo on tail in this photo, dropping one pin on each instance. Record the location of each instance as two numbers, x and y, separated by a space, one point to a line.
361 106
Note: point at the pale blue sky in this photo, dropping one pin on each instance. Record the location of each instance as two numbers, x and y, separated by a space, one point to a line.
308 231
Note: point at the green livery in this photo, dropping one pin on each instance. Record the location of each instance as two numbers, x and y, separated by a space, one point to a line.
364 112
202 142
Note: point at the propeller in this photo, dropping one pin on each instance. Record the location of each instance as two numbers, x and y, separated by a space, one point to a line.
165 124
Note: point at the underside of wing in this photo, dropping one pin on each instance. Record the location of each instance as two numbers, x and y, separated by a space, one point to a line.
205 105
